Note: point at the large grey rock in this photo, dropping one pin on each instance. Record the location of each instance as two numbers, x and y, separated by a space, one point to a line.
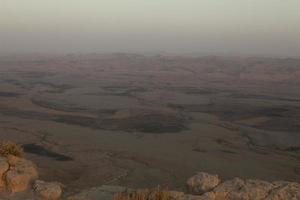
202 182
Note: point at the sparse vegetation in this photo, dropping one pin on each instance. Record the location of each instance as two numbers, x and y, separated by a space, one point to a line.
10 148
292 148
145 194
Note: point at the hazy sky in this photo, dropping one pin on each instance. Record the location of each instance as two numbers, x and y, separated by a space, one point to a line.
266 27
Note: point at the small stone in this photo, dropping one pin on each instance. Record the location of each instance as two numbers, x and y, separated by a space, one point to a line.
48 190
202 182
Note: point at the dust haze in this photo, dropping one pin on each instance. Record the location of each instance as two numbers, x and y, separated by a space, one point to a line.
140 93
248 27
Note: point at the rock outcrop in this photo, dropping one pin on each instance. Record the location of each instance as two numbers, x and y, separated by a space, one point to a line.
211 188
202 182
19 175
238 189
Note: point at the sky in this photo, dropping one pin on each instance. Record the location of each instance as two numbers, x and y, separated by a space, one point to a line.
234 27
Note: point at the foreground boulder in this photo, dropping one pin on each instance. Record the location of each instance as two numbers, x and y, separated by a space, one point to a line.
243 190
284 191
48 190
238 189
202 182
20 175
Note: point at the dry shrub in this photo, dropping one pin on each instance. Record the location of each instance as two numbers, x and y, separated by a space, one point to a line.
145 194
10 148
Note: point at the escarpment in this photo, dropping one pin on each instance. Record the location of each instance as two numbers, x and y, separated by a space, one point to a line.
19 180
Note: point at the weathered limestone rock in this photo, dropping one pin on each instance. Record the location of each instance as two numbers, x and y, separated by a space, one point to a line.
3 169
235 189
175 195
243 190
238 189
97 193
21 174
285 191
223 190
48 190
202 182
255 189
